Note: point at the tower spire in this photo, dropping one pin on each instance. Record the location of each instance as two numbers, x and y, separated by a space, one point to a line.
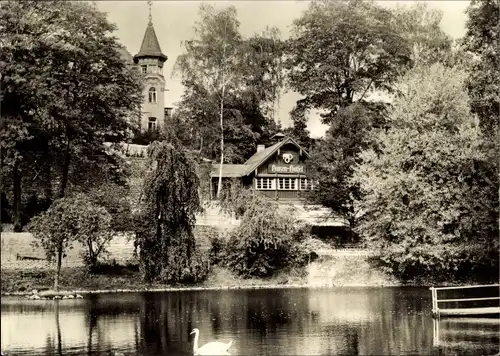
150 46
150 3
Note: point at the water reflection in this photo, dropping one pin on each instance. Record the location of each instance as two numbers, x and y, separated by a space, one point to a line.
340 321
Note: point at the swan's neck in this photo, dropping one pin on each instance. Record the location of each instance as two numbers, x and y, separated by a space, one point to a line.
195 346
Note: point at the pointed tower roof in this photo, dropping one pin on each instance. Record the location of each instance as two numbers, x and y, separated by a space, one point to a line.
150 46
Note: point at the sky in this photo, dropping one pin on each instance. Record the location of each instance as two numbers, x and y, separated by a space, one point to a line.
174 23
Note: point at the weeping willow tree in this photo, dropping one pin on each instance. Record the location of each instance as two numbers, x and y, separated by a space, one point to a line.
167 216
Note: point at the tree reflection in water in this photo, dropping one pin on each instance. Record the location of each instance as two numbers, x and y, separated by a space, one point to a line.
347 321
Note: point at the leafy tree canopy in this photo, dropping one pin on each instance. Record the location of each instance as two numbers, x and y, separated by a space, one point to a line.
339 52
65 90
244 73
482 40
430 195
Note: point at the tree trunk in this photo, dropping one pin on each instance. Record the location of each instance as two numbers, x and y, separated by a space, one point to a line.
58 268
17 197
65 172
92 257
219 187
47 180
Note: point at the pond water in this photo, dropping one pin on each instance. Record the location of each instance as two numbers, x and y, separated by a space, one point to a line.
334 321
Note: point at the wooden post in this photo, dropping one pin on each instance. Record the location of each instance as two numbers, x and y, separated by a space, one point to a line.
433 294
435 323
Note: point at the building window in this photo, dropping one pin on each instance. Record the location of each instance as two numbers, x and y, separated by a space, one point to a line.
265 184
287 184
152 124
144 69
152 95
306 184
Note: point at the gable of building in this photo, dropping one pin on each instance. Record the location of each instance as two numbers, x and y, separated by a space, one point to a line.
261 159
274 153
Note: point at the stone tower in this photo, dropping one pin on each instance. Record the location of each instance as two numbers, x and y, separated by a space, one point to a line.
149 61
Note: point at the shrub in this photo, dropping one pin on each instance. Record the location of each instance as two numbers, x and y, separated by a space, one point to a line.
218 248
267 240
94 231
192 269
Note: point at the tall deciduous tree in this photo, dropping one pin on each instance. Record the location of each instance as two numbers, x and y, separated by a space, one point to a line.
482 40
429 206
211 61
170 202
247 71
420 27
64 88
339 52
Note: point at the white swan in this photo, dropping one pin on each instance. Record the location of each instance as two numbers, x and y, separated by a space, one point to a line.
212 348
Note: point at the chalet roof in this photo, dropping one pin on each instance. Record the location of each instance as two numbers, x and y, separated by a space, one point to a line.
229 170
241 170
260 157
150 46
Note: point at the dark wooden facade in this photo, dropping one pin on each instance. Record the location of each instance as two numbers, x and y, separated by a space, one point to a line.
279 171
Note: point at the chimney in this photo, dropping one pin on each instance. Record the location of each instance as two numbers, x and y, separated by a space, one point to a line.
261 148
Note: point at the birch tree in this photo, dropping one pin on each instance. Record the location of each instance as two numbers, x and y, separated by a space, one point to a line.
211 61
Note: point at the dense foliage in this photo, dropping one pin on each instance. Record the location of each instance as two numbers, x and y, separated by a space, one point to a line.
165 226
55 230
235 198
266 241
481 39
231 87
68 220
65 90
430 204
341 53
333 161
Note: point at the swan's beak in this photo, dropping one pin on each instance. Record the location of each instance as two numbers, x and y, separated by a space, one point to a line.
191 333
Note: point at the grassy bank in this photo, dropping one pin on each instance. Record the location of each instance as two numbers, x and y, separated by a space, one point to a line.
338 268
325 272
23 276
120 278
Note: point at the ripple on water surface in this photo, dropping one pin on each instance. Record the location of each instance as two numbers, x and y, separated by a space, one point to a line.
335 321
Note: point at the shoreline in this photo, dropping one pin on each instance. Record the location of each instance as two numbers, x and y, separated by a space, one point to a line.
259 286
205 288
28 283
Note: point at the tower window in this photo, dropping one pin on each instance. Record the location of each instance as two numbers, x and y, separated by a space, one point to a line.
144 69
152 124
152 95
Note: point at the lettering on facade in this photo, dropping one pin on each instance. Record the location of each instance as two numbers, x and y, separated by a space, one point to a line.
287 169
